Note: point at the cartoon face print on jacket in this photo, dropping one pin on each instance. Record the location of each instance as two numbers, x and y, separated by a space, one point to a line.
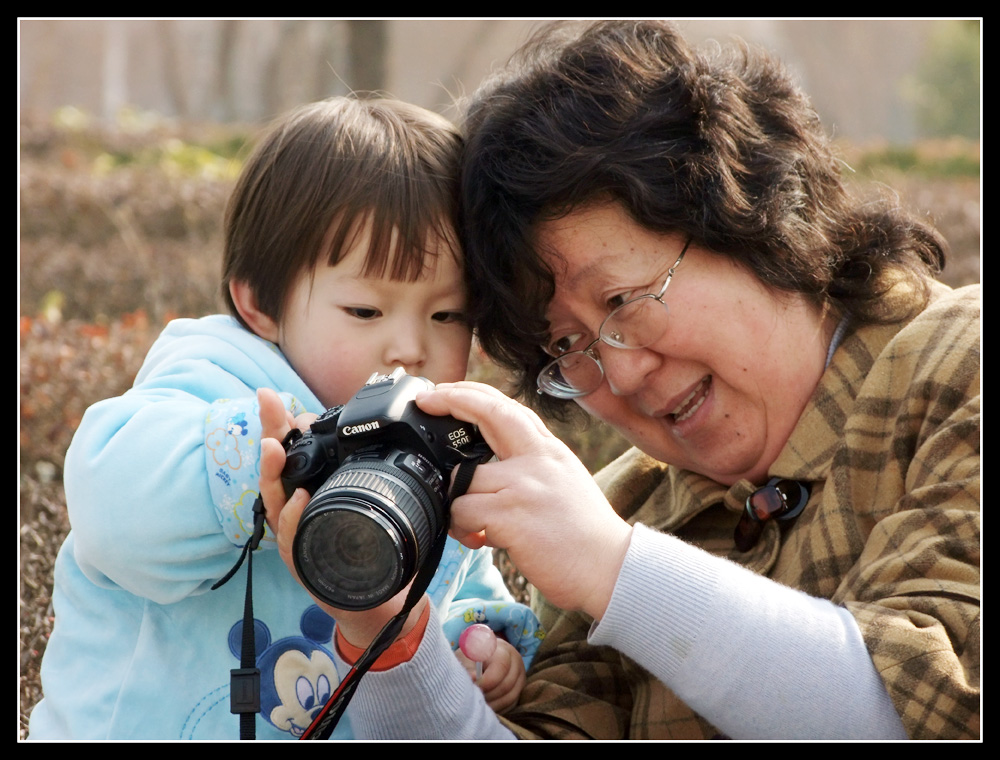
297 673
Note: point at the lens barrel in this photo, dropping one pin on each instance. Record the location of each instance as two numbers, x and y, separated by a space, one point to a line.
367 530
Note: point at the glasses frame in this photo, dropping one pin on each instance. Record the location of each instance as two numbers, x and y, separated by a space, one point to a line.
602 338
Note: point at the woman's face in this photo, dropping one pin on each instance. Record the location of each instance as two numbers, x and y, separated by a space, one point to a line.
720 392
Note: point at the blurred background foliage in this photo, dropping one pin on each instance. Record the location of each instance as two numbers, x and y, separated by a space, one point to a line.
945 88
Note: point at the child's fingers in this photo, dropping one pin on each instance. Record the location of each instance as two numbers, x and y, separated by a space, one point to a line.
508 693
275 420
503 677
303 421
286 520
272 462
469 665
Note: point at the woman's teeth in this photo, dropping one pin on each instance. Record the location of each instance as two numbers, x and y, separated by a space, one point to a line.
693 402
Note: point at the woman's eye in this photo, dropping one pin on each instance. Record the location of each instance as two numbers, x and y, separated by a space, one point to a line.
566 343
615 301
362 312
449 317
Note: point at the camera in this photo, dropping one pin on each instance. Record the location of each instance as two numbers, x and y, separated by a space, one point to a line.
378 470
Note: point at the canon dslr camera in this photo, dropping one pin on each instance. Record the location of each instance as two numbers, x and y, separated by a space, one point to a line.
378 469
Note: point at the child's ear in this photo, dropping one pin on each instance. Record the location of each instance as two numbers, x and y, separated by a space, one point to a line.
246 304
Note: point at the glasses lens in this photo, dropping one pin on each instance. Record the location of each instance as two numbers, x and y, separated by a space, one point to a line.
571 376
635 324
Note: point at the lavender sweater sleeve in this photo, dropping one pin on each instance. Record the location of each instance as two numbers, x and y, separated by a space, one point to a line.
757 659
430 697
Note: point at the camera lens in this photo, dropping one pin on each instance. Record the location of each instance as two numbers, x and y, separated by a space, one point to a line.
365 533
360 554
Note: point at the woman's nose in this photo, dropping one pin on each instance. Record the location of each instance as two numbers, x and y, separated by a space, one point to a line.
625 369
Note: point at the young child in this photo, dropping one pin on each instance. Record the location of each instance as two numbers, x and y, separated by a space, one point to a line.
341 260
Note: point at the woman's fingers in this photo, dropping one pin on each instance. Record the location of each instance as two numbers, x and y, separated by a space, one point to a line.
538 501
507 426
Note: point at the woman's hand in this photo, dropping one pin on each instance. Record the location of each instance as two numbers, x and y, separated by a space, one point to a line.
359 628
538 501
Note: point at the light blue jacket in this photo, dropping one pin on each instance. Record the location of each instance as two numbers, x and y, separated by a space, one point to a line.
160 484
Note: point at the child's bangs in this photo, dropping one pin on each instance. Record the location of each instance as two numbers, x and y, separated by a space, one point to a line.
398 243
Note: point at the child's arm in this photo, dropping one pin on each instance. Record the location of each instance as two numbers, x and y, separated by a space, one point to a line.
139 499
143 470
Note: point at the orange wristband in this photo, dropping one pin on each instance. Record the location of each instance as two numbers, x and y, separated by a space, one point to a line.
400 651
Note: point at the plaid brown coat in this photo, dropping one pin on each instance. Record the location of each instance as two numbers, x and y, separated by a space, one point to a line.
890 442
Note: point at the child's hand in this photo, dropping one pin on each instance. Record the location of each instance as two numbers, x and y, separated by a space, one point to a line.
275 423
502 671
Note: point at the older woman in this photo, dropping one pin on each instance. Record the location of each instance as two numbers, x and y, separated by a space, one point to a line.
661 238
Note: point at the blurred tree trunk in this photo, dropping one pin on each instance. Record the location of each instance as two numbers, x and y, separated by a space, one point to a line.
330 58
225 71
173 68
367 48
114 65
276 84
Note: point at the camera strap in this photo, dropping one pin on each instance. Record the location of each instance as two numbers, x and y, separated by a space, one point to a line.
327 719
244 681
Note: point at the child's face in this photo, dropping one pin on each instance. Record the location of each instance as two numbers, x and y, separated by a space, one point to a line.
339 327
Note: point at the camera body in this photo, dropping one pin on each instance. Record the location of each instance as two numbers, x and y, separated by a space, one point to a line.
378 470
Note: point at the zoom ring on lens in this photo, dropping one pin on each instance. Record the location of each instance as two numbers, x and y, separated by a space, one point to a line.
396 488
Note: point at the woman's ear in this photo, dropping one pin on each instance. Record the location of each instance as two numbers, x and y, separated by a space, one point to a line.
246 304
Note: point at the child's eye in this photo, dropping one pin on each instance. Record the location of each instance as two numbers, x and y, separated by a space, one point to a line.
449 317
362 312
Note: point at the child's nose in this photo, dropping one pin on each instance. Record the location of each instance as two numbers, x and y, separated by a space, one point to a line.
406 346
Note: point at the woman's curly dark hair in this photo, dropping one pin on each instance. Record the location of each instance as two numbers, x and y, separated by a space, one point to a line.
718 144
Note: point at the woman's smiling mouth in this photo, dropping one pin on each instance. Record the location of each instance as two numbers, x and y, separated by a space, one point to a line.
692 403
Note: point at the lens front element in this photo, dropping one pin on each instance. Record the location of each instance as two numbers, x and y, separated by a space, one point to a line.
364 535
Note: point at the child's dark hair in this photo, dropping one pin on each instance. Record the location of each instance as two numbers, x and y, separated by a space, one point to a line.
321 175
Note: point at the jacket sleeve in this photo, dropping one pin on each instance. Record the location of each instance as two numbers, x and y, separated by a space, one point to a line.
482 596
141 506
430 697
915 590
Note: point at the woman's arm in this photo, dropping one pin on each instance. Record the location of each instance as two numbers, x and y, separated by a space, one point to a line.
754 657
685 580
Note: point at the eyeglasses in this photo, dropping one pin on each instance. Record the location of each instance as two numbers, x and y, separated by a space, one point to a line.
637 323
781 499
